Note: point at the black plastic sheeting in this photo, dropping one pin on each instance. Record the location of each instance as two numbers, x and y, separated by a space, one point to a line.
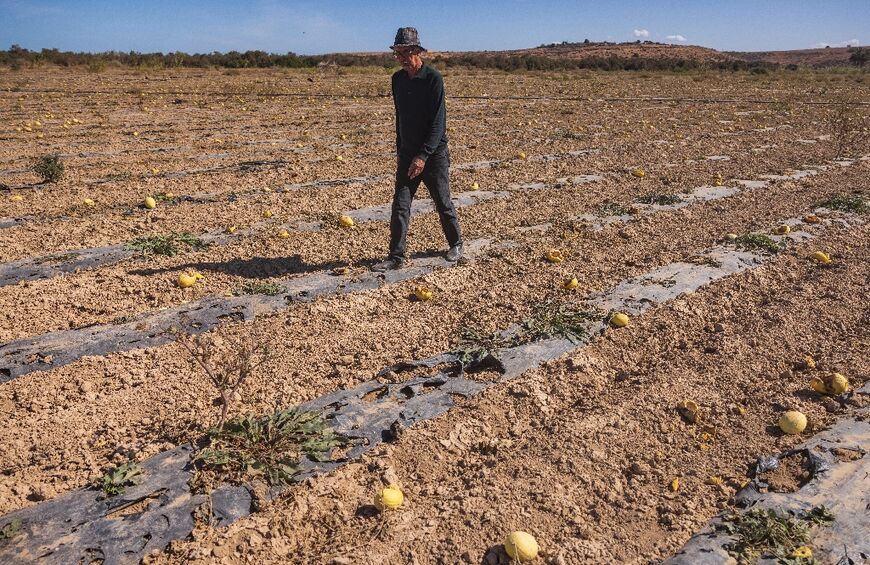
369 414
62 262
842 486
11 222
80 527
324 183
56 349
70 261
382 212
244 166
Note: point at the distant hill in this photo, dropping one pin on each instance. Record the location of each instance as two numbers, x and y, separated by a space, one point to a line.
590 54
643 50
644 55
825 57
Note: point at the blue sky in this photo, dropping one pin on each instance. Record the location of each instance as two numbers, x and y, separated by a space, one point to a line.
324 26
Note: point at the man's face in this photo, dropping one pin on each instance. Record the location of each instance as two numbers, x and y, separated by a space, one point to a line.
409 58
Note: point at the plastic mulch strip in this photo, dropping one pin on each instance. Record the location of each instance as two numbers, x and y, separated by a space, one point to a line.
840 484
56 349
79 526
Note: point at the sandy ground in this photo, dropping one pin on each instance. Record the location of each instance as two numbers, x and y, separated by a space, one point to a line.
586 445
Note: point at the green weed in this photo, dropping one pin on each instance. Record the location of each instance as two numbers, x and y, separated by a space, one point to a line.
479 349
60 258
704 260
819 515
49 168
117 177
269 447
116 481
362 132
165 197
554 319
10 530
764 532
845 203
267 288
758 241
166 244
660 199
612 209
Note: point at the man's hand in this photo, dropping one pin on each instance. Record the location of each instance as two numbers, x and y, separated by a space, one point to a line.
416 167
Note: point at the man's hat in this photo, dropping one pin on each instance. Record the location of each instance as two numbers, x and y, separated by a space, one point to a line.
407 37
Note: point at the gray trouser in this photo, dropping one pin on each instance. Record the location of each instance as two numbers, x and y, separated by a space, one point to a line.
437 179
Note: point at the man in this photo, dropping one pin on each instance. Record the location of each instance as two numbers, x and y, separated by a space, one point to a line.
421 148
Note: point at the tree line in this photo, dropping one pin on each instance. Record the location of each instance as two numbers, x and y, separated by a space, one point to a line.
17 57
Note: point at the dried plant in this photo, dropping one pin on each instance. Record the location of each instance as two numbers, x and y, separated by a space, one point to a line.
227 365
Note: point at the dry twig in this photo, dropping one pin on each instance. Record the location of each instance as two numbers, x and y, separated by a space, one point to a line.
227 365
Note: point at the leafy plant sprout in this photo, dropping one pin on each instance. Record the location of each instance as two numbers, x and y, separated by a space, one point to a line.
761 532
267 288
478 349
116 481
612 209
660 199
845 203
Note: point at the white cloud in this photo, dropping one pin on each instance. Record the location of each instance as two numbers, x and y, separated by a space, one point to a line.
641 33
676 37
850 43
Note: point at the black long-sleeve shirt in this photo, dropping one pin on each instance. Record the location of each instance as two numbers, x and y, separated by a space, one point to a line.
421 115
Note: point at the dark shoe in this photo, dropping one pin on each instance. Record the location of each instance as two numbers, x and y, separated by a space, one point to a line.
390 264
454 254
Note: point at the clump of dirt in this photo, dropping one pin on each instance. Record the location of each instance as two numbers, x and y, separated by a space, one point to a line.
793 472
844 454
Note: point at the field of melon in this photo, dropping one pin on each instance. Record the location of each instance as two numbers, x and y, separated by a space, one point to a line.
197 364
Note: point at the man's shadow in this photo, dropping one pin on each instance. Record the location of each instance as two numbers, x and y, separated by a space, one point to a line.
253 268
269 267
